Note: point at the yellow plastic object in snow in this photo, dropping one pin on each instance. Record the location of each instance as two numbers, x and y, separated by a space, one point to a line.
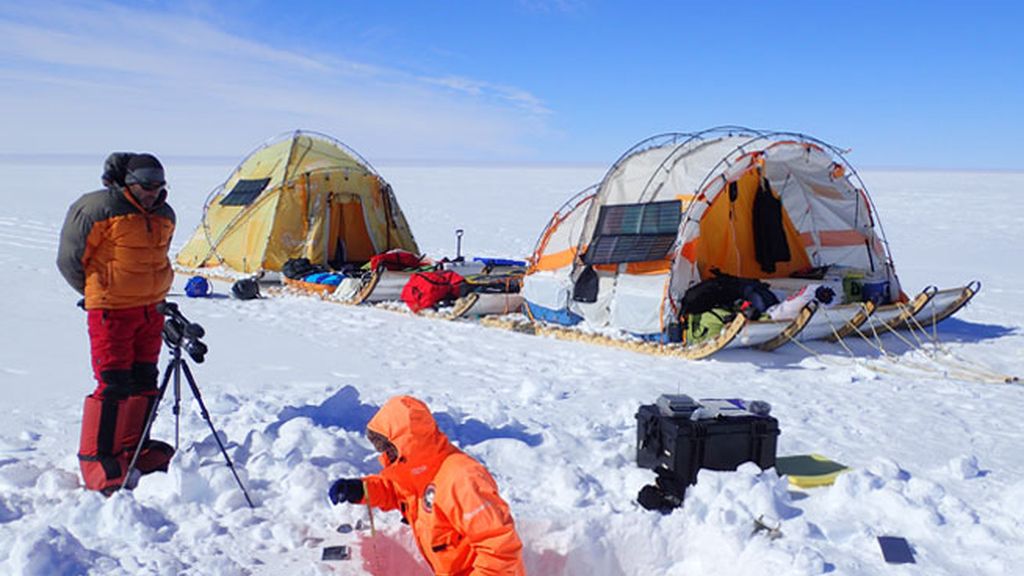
809 470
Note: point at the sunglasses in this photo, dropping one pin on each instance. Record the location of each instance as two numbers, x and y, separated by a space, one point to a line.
383 445
151 186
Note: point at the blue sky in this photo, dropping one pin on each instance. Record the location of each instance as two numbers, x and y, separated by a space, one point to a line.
937 85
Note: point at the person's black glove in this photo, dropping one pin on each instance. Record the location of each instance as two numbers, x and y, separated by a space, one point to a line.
81 303
346 490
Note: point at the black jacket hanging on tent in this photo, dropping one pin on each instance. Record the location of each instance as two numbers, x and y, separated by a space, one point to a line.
770 244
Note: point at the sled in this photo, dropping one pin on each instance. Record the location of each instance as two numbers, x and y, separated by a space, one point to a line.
926 310
864 311
377 286
841 320
495 290
812 323
770 334
695 352
478 304
294 286
738 333
822 323
943 304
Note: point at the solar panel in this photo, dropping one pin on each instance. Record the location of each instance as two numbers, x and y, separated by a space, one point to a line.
634 248
649 218
634 232
244 192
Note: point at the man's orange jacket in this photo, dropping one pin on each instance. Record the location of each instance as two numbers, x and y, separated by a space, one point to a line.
114 252
461 524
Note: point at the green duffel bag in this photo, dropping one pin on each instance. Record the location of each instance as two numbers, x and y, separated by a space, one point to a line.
707 325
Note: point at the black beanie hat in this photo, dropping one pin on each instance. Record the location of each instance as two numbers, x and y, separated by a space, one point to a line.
144 169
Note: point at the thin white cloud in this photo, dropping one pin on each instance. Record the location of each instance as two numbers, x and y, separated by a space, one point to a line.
90 77
512 95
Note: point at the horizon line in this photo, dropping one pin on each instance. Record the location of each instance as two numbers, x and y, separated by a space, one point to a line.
81 158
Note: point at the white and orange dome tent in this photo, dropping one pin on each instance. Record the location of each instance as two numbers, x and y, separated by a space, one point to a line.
677 206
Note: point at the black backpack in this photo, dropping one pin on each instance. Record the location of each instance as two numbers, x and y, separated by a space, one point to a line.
723 291
299 268
246 289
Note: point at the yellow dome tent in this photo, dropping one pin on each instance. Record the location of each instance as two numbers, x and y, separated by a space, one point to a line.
299 195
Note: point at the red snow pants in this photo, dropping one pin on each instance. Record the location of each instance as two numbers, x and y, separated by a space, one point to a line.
125 347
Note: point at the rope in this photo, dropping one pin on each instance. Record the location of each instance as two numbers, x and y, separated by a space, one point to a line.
853 359
957 363
906 313
838 336
957 370
952 367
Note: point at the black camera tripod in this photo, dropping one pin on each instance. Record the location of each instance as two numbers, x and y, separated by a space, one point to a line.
180 332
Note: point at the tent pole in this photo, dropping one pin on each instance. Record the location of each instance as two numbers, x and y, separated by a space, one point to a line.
329 221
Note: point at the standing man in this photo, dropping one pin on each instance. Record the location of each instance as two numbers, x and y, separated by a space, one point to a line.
460 522
113 251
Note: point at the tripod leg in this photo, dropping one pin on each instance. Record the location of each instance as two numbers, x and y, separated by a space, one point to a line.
177 397
206 416
172 366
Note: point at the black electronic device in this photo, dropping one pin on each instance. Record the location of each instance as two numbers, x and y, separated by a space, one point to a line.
677 437
336 553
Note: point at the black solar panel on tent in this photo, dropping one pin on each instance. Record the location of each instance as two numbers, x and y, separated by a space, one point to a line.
633 248
244 192
649 218
634 232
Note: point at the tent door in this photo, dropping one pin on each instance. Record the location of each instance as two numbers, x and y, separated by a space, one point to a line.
348 240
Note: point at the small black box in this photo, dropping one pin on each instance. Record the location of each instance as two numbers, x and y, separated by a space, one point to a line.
677 447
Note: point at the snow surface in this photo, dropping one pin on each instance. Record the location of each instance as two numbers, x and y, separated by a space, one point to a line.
291 382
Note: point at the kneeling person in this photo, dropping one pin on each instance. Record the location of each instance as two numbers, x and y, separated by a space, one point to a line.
460 522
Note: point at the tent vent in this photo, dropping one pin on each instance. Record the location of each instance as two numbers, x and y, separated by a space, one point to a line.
244 192
634 232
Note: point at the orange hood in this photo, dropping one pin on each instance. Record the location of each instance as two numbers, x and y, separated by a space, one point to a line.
409 425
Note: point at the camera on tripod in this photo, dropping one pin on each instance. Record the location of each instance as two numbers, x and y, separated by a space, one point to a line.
180 332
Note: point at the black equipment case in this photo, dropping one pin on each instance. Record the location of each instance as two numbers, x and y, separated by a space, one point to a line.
677 447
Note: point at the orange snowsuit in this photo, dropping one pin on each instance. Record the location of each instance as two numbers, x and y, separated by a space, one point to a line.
461 524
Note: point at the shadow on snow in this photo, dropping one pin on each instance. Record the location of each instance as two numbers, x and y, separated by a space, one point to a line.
344 410
790 356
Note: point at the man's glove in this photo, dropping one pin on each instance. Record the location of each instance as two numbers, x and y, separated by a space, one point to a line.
81 303
346 490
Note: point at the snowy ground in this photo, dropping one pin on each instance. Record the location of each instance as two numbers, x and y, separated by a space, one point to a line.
291 383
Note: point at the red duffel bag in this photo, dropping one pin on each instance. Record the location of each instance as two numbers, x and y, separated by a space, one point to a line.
396 260
428 289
